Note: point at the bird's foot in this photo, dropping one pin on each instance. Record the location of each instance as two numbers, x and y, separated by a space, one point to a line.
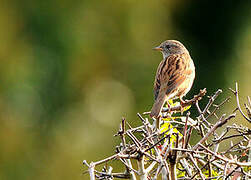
182 105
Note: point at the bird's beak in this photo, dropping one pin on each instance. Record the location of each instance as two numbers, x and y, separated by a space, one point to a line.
158 48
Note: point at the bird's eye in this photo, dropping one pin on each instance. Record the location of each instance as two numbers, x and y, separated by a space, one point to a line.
168 46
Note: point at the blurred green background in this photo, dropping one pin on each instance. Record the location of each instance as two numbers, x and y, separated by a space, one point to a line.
69 70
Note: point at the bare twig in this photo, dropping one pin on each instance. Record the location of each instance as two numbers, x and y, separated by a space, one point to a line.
211 100
197 167
236 93
90 169
217 107
142 171
185 131
225 171
230 161
248 109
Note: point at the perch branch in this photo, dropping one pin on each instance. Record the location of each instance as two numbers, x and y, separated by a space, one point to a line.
186 103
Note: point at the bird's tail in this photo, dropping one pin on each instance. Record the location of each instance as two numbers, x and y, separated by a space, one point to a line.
157 106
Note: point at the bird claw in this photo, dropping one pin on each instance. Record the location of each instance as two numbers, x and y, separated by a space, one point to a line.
182 105
183 102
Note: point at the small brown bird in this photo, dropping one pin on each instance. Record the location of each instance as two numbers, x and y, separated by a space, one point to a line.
175 75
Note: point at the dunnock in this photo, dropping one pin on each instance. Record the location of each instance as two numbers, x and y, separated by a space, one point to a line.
175 75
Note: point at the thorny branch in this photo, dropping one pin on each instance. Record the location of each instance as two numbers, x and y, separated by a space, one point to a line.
172 154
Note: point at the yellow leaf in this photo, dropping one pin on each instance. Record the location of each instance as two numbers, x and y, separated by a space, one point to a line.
180 174
166 126
170 101
186 108
214 173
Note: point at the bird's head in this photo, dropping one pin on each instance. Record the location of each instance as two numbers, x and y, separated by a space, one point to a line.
169 47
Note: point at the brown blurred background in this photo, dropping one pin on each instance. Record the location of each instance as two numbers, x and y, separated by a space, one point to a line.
69 70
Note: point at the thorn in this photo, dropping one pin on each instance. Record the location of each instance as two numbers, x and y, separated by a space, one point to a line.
233 91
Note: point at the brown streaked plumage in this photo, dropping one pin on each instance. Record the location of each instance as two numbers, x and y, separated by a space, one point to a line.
175 74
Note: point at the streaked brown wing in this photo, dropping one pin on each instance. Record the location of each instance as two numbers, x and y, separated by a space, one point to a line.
156 86
176 80
175 72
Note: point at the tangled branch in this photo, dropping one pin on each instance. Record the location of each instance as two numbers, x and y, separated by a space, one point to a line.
171 154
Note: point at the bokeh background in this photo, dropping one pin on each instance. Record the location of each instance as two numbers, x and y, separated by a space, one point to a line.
69 70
